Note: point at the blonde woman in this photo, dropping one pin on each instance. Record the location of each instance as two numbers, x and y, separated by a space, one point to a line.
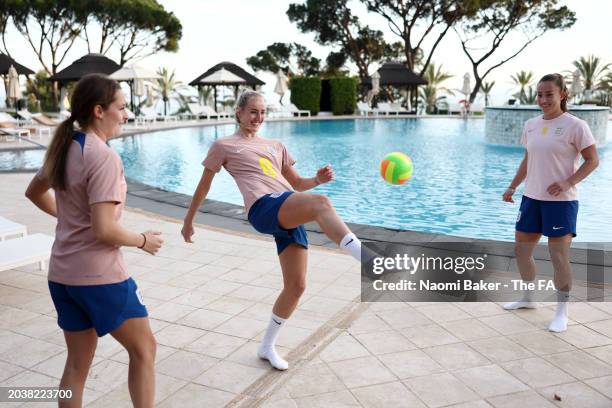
274 198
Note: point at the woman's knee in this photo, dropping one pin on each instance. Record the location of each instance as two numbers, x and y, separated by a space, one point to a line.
296 289
322 203
79 363
523 250
144 350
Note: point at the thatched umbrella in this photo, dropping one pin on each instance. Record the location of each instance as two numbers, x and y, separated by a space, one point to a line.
6 63
397 75
243 78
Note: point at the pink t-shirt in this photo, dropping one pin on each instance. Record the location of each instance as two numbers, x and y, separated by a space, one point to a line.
256 164
94 174
553 154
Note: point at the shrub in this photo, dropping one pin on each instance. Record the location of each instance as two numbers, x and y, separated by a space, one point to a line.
343 95
306 93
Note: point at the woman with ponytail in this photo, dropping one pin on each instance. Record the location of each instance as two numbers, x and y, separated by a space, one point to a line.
554 143
90 287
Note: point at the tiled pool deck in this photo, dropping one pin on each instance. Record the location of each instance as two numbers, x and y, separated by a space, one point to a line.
210 301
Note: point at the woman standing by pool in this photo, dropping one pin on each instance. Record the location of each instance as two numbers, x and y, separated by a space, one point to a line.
553 144
263 170
89 284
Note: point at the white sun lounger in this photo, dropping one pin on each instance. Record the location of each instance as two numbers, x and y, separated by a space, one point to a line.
9 228
35 248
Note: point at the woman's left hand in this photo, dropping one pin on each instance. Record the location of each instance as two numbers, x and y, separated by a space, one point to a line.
558 187
325 174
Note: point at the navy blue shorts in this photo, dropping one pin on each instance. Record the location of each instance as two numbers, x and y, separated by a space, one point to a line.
103 307
263 216
549 218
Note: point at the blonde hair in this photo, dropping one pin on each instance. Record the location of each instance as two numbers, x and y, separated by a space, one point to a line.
243 100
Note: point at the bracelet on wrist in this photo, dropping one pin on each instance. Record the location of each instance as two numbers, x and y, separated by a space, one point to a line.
512 188
145 241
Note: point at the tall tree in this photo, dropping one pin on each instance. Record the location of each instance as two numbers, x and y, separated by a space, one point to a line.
420 24
486 89
499 19
134 28
591 70
168 87
292 58
333 24
429 93
523 79
49 27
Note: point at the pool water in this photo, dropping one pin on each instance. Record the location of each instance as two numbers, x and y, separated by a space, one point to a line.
456 187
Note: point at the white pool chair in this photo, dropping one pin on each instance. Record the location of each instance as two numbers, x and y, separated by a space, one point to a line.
26 250
10 228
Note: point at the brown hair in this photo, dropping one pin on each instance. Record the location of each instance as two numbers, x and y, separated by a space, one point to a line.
560 82
90 91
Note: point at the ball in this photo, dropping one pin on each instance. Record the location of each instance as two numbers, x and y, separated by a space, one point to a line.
396 168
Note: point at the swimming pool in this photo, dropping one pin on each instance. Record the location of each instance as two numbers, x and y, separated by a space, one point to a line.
456 187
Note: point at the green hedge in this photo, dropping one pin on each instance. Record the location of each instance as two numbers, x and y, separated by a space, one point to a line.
306 93
343 95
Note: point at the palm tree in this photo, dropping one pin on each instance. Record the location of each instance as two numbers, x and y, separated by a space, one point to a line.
591 68
605 87
523 79
429 93
486 90
167 87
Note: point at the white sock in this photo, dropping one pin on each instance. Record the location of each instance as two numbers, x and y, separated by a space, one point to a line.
351 244
526 301
267 349
559 323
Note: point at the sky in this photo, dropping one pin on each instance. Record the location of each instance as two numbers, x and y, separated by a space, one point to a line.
232 30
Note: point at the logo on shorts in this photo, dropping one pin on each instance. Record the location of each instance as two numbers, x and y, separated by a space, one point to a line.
518 217
139 296
275 195
557 228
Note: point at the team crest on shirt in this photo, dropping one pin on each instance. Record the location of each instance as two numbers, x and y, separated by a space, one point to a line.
558 131
272 150
544 130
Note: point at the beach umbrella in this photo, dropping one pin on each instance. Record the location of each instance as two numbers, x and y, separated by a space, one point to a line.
281 84
14 91
139 87
466 89
375 83
221 76
7 62
64 102
577 86
88 64
149 101
133 74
